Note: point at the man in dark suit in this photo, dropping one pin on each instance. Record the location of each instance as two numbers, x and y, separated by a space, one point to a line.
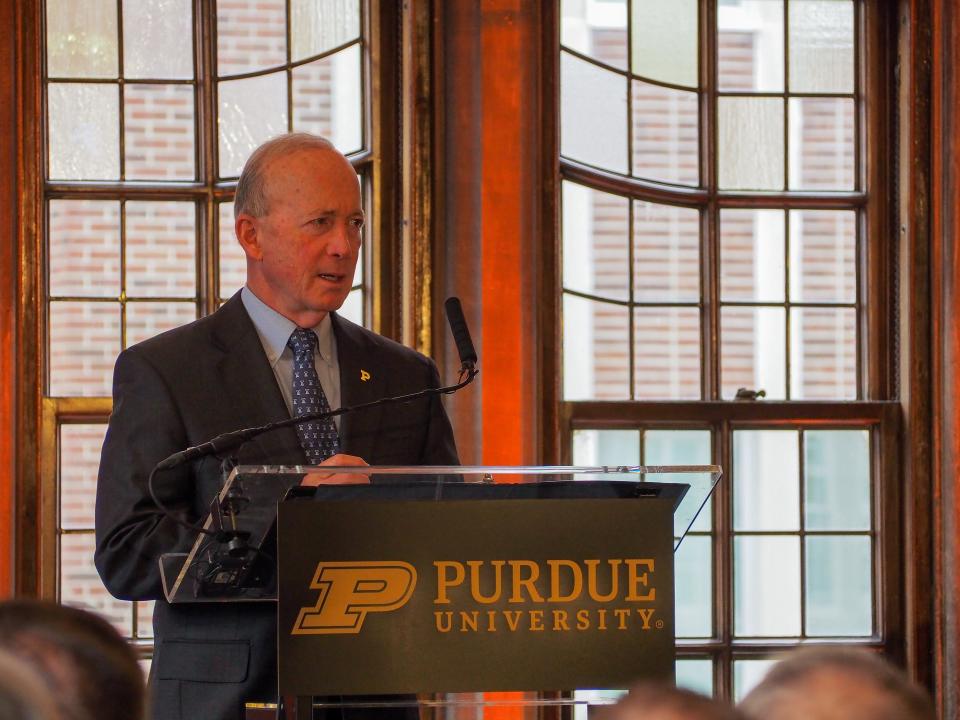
274 350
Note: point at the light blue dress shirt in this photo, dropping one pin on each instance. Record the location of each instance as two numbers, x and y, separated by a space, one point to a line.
274 330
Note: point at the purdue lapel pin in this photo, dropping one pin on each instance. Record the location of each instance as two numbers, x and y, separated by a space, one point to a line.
364 375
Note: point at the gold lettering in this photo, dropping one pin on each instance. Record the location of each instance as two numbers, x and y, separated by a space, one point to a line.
491 620
576 575
520 582
513 619
536 620
560 620
468 620
602 624
622 614
645 615
636 579
592 580
441 626
583 619
474 566
444 582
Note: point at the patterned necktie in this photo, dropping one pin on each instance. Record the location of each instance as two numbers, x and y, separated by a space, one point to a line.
319 439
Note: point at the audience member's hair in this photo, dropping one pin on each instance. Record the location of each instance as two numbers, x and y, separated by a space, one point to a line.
87 667
660 701
23 695
251 195
834 683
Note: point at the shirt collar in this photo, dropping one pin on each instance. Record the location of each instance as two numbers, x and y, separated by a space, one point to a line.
274 329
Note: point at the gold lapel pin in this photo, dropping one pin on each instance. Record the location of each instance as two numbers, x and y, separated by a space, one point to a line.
364 376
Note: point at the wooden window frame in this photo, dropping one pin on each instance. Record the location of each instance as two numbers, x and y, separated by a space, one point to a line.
877 358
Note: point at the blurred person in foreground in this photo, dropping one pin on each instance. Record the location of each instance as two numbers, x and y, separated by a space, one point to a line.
836 683
660 701
22 694
87 670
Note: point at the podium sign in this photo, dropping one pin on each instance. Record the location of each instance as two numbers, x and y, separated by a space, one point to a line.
490 595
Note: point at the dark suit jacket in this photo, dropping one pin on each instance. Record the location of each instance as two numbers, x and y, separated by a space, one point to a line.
182 388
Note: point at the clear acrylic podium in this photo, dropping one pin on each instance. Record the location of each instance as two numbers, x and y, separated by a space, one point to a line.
239 560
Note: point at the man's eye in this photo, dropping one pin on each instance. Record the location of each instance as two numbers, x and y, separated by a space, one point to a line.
357 223
321 221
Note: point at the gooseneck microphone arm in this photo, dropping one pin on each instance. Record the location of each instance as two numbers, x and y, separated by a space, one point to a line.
229 440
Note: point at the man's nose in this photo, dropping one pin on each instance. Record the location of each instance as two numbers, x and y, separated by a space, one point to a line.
339 241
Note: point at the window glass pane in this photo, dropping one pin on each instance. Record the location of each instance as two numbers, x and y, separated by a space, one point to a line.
752 255
596 354
84 130
747 674
766 474
767 586
839 587
352 308
593 114
158 39
666 134
84 343
82 38
750 45
665 41
839 594
320 25
823 252
158 132
821 144
606 447
327 99
595 242
161 249
79 460
667 350
666 253
145 620
753 351
233 261
694 587
696 675
821 46
252 111
146 319
836 466
750 143
596 29
251 35
84 248
80 585
823 353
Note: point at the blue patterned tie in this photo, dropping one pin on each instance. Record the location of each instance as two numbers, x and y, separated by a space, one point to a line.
319 439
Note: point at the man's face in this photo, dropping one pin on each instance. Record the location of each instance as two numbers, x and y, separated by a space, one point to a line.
302 253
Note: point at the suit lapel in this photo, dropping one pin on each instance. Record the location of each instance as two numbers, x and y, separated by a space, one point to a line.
251 389
362 380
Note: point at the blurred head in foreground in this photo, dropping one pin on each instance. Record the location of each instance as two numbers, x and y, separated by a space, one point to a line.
23 695
88 670
660 701
834 683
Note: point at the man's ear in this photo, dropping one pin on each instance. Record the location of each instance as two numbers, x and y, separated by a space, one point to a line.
247 229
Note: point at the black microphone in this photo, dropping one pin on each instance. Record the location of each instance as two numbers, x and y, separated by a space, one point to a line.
461 334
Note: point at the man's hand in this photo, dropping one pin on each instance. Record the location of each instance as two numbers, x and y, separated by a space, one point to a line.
334 478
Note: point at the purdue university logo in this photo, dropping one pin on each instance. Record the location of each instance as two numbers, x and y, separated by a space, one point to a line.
349 590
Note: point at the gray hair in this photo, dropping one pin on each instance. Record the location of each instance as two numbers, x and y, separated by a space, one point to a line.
251 195
818 682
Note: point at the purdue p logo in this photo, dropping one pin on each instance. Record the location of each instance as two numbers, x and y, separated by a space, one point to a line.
349 590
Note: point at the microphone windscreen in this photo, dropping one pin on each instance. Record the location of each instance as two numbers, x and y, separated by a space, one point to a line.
461 335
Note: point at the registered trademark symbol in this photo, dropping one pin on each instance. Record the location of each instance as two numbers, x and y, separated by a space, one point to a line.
659 624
